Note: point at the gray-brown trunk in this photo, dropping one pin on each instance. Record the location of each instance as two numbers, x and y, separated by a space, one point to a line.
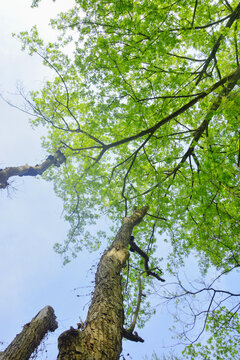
30 337
101 336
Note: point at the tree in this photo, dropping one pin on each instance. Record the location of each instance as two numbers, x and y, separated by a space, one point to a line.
145 110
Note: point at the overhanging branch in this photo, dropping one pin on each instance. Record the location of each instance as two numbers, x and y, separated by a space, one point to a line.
203 126
175 114
235 15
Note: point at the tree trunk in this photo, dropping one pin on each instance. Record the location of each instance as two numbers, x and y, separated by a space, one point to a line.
101 336
32 334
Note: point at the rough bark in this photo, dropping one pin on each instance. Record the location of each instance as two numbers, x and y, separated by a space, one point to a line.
101 336
25 170
30 337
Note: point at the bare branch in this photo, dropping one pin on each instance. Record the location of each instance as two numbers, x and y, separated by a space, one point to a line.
57 159
136 248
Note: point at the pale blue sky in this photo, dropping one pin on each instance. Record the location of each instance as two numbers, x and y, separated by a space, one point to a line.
31 222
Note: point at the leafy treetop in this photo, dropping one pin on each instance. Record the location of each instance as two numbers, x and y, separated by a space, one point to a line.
145 106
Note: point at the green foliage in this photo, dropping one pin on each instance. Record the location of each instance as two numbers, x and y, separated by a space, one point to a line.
224 343
145 106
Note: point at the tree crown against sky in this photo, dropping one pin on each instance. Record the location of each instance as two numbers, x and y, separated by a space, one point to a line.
145 107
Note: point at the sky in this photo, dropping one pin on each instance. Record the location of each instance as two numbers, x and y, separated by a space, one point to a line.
30 213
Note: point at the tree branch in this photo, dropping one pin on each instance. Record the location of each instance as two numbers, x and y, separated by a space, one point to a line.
25 170
235 15
132 326
130 336
203 126
136 248
176 113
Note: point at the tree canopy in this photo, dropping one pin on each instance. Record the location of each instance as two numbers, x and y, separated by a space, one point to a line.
144 104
